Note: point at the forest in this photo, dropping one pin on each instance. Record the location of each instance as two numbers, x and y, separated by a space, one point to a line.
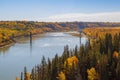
96 60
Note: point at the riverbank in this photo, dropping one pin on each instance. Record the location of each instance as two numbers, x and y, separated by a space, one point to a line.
76 33
3 45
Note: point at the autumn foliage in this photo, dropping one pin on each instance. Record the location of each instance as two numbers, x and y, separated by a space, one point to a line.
71 61
61 76
115 54
99 32
92 74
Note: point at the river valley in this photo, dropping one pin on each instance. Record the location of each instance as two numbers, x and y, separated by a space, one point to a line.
15 57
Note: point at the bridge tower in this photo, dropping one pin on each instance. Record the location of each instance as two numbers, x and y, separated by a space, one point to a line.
80 33
30 37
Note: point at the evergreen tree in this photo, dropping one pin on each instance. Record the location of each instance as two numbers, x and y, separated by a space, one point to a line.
21 78
25 73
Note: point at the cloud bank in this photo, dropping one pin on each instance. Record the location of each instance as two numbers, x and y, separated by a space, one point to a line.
92 17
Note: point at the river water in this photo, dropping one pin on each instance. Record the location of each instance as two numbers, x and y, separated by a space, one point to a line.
15 57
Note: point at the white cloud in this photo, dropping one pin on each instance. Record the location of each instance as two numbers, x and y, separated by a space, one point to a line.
95 17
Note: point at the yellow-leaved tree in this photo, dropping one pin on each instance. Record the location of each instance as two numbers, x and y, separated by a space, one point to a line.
70 61
61 76
115 54
70 67
28 76
17 78
92 74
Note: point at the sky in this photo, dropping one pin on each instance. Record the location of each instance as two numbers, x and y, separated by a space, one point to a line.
60 10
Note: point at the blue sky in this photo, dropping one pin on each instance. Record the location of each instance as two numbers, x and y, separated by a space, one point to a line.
42 9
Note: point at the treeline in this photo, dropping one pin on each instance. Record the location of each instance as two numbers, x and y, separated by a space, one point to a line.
100 32
93 61
83 25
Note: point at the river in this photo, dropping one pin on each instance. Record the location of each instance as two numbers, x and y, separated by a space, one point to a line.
13 58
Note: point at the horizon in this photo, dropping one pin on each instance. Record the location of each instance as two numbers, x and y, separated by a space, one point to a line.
60 10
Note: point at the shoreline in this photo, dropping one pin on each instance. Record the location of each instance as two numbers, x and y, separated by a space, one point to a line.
77 34
16 40
9 43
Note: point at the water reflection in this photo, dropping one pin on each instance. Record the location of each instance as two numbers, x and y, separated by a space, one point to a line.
4 50
31 48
